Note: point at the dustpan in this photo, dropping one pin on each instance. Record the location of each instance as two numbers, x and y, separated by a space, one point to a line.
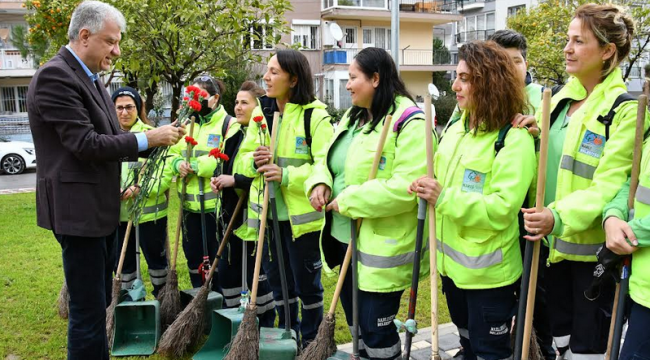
225 323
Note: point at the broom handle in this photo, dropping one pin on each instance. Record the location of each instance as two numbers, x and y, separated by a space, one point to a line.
539 207
265 208
634 182
371 176
179 222
433 244
226 237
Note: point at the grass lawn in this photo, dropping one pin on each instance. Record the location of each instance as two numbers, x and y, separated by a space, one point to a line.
31 275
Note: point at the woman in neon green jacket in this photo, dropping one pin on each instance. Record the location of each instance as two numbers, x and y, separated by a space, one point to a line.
386 239
483 172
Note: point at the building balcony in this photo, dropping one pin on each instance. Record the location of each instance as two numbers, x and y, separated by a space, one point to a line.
467 36
410 59
12 64
435 12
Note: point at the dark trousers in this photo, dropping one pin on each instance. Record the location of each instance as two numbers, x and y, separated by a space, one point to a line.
541 321
577 323
153 235
230 270
88 267
483 318
303 268
637 338
378 337
193 244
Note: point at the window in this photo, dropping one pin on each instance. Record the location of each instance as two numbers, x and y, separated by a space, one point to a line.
345 101
489 19
256 38
8 99
513 10
13 99
382 38
351 36
308 36
329 92
367 37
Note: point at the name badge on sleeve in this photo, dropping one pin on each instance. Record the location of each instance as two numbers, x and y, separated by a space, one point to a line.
473 181
592 144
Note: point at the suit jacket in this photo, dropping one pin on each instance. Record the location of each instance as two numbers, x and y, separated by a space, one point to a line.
80 145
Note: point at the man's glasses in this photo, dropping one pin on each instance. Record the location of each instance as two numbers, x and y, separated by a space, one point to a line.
128 108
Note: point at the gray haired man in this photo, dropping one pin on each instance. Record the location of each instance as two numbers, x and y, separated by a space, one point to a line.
80 146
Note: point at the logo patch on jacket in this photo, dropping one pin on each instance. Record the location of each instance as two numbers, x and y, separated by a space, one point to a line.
301 145
499 330
592 144
214 140
382 163
473 181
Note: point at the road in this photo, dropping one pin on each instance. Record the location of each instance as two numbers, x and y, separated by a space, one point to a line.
26 180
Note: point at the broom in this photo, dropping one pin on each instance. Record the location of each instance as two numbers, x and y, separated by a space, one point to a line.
186 330
246 344
63 301
117 285
524 339
324 345
169 296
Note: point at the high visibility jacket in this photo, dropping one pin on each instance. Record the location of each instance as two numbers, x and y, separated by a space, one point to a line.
208 136
482 194
295 158
386 240
592 169
155 207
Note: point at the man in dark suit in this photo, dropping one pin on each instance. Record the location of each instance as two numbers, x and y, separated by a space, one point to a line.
80 146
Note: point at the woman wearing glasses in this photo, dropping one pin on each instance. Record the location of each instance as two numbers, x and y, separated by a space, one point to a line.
152 225
211 125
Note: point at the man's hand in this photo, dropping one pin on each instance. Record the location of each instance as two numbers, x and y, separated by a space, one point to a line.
130 192
165 135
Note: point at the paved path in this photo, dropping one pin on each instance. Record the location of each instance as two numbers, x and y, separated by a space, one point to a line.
448 342
25 182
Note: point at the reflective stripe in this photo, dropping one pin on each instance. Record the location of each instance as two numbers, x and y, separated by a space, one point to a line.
157 273
291 301
569 355
284 162
256 207
195 153
253 223
463 333
578 168
387 262
576 249
158 281
562 341
194 271
264 308
127 285
382 353
154 208
643 195
508 358
307 218
232 302
128 277
134 165
313 306
472 262
265 299
195 197
231 292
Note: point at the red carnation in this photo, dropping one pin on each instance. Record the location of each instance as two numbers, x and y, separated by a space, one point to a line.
190 140
215 153
203 94
195 105
186 99
258 119
224 157
193 91
263 126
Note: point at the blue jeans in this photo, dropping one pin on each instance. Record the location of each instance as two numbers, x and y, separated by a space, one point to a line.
88 267
303 268
637 339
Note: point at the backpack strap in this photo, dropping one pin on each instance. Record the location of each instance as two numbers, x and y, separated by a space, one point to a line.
560 105
224 127
308 113
406 115
501 139
608 119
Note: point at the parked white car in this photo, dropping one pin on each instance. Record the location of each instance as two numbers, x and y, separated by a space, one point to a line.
16 156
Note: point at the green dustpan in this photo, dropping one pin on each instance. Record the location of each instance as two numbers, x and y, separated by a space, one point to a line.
341 355
277 344
225 324
214 302
137 328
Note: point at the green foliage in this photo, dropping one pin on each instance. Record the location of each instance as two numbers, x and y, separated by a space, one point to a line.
441 54
335 114
545 28
234 77
445 107
48 27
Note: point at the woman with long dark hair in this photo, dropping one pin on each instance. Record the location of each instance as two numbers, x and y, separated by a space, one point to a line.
386 239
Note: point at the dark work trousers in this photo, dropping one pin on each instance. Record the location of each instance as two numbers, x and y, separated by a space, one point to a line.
193 244
153 235
230 270
88 267
303 268
483 318
637 338
378 337
577 323
541 321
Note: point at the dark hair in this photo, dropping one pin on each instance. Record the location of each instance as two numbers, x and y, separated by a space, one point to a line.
510 39
211 85
609 24
132 93
252 87
296 64
497 91
377 61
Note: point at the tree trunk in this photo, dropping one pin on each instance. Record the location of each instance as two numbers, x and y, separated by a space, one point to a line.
150 93
177 86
